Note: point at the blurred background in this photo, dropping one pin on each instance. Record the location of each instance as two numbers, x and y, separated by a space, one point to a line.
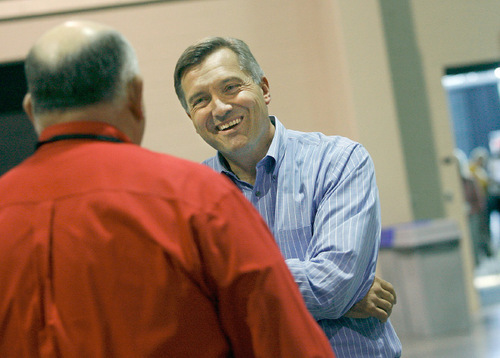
415 81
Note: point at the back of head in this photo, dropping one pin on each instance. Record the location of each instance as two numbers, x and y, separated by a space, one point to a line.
196 54
479 156
78 64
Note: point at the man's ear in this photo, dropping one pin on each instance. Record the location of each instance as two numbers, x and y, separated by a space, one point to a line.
264 85
135 98
28 107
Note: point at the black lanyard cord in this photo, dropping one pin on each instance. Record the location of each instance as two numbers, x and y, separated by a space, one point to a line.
79 136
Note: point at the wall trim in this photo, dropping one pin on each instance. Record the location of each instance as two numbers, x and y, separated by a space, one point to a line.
12 10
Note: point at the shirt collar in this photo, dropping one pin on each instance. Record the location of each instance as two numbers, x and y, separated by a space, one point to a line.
83 127
278 145
274 155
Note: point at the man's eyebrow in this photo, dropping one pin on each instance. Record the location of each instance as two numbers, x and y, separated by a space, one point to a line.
230 79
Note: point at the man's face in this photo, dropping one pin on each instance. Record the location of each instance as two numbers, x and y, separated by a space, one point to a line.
228 109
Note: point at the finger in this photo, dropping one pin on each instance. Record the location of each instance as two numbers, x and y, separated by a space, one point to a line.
387 296
383 295
381 315
387 286
384 305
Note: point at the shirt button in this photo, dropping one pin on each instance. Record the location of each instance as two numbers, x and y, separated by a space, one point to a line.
257 194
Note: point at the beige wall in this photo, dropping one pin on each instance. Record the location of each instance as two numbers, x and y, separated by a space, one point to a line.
370 88
314 53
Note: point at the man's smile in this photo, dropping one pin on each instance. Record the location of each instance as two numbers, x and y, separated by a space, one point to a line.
229 125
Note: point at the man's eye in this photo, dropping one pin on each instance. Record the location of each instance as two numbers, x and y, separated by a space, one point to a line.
231 88
198 102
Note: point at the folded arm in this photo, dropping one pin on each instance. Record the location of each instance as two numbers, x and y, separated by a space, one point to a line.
339 267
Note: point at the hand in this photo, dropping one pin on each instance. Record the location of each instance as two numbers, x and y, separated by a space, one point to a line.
377 303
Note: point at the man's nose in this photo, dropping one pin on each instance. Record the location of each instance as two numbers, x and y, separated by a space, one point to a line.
220 108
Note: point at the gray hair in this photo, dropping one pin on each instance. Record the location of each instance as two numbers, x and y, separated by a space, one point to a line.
195 54
98 72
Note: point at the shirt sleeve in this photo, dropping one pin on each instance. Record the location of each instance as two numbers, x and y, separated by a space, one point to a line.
260 307
340 261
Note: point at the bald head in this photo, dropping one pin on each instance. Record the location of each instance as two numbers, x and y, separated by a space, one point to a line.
78 64
66 40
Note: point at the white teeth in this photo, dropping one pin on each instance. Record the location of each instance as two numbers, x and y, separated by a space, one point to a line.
229 124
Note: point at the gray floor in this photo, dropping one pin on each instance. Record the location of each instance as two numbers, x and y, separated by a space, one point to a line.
482 340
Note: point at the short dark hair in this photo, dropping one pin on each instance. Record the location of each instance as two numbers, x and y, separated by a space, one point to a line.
95 73
195 54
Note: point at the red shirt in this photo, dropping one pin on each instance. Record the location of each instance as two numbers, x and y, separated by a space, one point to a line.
111 250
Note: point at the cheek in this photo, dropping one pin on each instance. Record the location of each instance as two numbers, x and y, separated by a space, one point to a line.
197 126
199 123
253 100
259 105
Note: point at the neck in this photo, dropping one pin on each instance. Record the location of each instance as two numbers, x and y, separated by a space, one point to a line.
247 173
244 164
106 113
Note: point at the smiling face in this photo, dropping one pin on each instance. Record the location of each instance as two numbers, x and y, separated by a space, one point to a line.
228 109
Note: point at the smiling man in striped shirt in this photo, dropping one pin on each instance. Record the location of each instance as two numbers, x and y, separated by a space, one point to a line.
317 193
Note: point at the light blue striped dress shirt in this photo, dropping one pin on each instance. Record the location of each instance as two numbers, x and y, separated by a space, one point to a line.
319 197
